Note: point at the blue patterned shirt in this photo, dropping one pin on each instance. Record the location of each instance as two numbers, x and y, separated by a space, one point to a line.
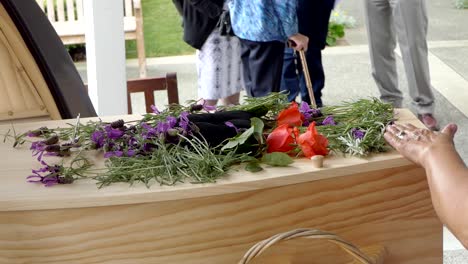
264 20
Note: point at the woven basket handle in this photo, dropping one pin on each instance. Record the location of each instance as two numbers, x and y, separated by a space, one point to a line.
354 251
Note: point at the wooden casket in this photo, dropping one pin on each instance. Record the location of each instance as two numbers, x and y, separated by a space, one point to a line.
379 201
38 79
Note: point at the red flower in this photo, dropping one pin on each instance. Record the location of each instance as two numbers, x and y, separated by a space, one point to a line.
290 116
312 143
282 139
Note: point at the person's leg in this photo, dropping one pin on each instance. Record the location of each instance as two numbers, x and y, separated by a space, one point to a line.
265 63
210 102
382 43
317 76
290 78
314 18
232 99
411 27
245 56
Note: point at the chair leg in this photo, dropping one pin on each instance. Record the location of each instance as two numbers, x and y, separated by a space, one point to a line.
140 42
129 103
172 89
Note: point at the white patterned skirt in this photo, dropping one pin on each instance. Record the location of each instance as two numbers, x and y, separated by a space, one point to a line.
219 67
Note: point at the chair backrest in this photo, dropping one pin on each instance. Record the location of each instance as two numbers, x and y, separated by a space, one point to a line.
149 85
72 10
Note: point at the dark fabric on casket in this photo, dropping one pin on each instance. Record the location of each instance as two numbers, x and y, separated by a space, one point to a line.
53 60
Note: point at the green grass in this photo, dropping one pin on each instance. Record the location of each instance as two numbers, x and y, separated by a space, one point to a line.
162 29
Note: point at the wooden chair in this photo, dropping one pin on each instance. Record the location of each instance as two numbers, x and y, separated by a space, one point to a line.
68 20
149 85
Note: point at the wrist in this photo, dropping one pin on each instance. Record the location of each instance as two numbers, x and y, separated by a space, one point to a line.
435 154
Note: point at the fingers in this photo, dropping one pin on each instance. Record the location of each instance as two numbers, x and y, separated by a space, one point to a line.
450 130
391 136
393 140
398 133
300 46
409 127
299 42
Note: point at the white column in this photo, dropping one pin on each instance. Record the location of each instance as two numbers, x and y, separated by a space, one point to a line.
105 56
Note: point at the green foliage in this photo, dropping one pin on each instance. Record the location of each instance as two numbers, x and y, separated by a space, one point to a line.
335 32
461 4
256 130
191 158
162 27
277 159
194 161
253 166
369 115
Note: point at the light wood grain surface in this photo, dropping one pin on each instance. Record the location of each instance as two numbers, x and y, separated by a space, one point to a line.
381 201
24 92
17 194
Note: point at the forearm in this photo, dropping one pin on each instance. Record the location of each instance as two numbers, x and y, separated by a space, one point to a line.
448 182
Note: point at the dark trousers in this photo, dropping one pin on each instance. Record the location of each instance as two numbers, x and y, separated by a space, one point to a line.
313 17
262 63
294 82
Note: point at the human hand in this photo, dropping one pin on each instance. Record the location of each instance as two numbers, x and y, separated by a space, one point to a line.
299 42
416 144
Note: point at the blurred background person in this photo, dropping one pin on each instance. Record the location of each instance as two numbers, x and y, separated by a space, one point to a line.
313 18
406 20
263 27
219 65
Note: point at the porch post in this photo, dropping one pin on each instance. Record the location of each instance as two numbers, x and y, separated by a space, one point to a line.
105 56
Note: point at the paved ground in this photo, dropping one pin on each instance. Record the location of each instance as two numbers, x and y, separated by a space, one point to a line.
348 77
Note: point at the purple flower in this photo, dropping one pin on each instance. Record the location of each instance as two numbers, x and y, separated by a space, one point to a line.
150 131
155 110
207 107
357 133
148 147
38 149
305 110
98 138
38 132
46 147
230 124
131 152
316 112
184 121
308 113
132 141
116 153
50 180
113 133
329 121
172 121
48 175
162 127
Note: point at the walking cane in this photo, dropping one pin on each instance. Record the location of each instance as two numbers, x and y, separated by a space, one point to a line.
307 78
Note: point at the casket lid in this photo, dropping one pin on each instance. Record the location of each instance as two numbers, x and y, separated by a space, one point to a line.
16 194
38 77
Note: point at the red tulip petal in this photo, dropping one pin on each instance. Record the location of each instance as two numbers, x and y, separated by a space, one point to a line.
291 116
